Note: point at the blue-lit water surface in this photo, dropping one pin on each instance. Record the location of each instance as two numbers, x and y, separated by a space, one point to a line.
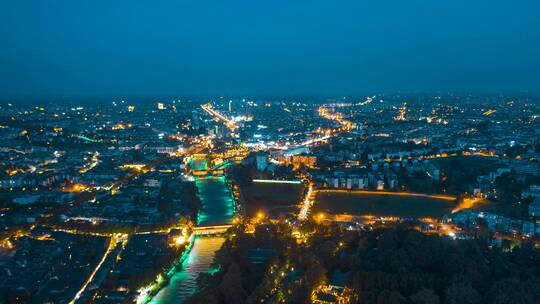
217 208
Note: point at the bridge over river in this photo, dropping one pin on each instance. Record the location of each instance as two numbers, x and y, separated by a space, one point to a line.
210 230
215 217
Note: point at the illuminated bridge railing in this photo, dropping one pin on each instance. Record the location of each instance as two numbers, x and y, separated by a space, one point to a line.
211 230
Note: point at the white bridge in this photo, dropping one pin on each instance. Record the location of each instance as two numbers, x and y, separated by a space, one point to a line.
211 230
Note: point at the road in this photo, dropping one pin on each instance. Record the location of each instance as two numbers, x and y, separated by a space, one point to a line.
113 241
214 113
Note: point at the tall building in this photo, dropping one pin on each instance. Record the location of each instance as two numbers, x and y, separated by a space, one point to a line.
534 208
308 161
262 161
196 119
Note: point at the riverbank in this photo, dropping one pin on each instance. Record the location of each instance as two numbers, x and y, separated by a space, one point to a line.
147 293
183 283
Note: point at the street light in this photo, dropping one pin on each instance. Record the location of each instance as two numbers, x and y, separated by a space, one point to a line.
179 240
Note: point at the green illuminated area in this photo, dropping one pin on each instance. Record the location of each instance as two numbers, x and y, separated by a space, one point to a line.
197 164
184 283
87 138
217 201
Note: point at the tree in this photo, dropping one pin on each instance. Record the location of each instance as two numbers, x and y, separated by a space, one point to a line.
231 289
425 296
508 188
390 297
384 265
514 291
462 293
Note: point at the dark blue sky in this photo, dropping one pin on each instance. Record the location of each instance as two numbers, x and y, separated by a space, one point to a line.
273 47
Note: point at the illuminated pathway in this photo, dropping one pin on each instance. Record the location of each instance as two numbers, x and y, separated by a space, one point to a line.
466 203
435 196
307 203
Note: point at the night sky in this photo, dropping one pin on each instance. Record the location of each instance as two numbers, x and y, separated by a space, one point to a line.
275 47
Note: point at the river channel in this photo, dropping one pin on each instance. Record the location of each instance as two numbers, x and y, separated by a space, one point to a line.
217 208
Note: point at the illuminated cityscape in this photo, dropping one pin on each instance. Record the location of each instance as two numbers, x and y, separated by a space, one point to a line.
256 173
180 171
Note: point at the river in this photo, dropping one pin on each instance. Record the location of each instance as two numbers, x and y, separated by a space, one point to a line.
217 208
217 201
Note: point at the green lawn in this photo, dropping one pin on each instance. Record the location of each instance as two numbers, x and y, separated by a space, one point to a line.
382 205
272 198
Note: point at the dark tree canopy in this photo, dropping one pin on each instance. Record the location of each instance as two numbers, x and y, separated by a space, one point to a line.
395 265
